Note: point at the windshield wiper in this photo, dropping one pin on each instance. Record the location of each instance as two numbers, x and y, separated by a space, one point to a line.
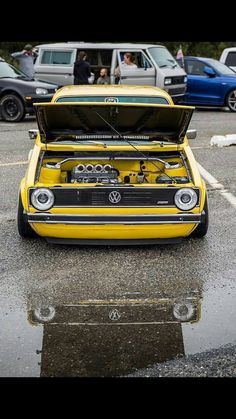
166 164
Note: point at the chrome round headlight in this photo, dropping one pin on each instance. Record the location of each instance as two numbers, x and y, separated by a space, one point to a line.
42 199
41 91
184 311
185 199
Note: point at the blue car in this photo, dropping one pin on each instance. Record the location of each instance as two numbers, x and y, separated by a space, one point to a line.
209 83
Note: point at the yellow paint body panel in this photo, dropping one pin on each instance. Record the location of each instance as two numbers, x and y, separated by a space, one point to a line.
38 175
113 231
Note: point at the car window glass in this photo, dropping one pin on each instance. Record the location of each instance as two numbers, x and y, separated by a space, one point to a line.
92 56
56 57
124 99
231 59
218 66
162 57
106 56
195 68
7 70
139 59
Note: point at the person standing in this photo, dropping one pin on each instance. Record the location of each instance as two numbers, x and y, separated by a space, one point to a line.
81 71
26 59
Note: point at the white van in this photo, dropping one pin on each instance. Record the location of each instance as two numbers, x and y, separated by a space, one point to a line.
228 57
155 65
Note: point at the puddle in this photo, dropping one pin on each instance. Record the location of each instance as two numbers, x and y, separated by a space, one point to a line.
114 337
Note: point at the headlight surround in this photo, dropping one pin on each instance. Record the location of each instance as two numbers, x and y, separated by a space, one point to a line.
44 314
185 199
41 91
168 80
42 199
184 311
185 79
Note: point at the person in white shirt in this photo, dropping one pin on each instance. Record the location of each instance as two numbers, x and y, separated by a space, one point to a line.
127 64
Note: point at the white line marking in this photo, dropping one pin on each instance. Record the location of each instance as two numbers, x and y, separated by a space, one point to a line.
217 185
13 163
7 125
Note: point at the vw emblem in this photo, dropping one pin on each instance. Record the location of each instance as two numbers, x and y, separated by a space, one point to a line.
111 99
114 197
114 315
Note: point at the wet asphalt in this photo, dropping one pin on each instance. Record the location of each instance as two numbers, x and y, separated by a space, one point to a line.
97 311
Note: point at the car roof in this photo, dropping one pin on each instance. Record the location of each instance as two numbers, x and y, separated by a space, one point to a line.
197 58
100 45
111 90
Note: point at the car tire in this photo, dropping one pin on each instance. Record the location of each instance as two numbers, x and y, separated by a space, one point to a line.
24 228
12 108
230 100
202 228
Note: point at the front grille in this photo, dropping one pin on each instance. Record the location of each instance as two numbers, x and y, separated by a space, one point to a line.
99 197
128 198
178 80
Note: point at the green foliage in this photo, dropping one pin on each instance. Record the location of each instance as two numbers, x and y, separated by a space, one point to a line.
199 49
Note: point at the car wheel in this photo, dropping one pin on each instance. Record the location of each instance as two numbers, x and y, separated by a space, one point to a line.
24 228
202 228
12 108
231 100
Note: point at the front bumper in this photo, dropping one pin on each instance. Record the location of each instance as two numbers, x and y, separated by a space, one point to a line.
114 229
36 99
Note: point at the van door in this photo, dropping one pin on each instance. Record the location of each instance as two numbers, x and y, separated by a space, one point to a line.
143 74
55 65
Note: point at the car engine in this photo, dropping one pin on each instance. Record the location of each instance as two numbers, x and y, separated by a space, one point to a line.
89 173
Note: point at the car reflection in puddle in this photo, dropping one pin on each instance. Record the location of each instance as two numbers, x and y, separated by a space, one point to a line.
98 338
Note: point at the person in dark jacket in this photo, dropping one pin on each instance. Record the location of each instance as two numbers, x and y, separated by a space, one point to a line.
81 70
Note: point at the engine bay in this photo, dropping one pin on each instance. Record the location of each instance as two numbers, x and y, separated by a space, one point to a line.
123 168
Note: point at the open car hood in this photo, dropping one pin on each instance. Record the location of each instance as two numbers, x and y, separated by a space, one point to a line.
167 122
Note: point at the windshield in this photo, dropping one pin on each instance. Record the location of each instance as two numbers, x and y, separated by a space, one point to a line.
218 66
162 57
121 99
7 70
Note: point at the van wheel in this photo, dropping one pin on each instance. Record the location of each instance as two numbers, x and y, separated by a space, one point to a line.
24 228
202 228
12 108
231 100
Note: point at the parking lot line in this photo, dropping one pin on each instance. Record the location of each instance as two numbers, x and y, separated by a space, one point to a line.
217 185
13 163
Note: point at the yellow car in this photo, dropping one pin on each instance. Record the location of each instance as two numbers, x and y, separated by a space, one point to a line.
112 165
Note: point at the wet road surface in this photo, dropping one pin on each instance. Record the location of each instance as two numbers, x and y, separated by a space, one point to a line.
116 311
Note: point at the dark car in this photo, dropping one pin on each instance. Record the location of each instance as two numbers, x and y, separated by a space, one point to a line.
18 93
209 83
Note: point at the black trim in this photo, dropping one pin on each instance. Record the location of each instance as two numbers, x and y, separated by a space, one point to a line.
99 196
118 242
114 219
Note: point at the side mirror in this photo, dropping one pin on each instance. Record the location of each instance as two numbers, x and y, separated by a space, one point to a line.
191 134
33 133
209 71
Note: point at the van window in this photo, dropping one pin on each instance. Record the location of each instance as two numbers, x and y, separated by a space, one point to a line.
56 57
106 56
162 57
231 59
139 58
92 56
